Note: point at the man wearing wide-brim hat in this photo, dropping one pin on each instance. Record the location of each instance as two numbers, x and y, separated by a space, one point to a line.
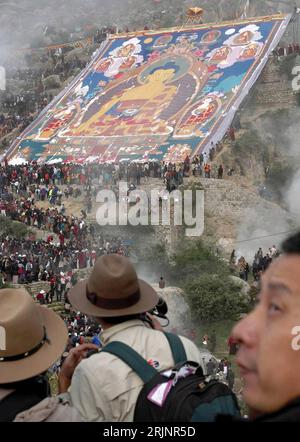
32 338
103 387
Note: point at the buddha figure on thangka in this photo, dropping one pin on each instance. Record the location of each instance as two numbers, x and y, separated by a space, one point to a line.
58 121
197 116
143 103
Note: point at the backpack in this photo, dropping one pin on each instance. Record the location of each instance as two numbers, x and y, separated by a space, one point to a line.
194 398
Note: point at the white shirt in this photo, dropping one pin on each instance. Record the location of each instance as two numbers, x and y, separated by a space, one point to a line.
105 389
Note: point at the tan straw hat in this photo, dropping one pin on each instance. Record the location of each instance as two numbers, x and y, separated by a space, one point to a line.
113 289
32 337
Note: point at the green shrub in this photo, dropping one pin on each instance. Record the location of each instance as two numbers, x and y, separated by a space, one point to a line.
13 228
192 259
204 278
215 297
4 286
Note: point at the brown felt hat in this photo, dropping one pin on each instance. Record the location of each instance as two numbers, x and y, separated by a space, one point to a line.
32 337
113 289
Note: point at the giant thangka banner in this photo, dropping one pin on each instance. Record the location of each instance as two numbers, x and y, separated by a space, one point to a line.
154 95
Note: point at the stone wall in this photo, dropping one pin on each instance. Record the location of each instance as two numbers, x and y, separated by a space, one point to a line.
273 87
34 288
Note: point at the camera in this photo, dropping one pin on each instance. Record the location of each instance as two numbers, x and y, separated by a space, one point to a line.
160 311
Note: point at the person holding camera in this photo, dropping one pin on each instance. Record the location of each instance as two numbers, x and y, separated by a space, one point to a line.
32 339
103 387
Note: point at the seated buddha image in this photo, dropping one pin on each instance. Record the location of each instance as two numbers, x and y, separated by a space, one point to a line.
103 65
249 52
221 54
243 38
127 64
195 118
56 122
134 110
210 37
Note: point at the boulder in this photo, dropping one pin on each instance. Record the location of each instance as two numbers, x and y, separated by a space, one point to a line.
245 287
179 313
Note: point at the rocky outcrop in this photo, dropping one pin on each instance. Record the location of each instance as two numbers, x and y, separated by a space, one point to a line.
179 313
274 88
234 209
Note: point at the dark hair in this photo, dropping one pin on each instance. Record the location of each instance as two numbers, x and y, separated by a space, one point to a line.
38 384
292 244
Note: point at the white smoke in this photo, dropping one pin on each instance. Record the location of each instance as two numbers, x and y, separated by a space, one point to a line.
292 194
269 223
262 226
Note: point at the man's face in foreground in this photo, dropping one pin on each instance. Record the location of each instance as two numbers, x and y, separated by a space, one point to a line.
269 365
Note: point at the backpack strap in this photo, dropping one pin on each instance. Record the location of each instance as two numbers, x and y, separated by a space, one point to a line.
138 364
177 348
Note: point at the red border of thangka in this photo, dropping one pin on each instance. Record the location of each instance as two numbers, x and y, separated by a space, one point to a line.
282 20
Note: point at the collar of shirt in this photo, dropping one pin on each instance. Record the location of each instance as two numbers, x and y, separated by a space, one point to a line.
110 333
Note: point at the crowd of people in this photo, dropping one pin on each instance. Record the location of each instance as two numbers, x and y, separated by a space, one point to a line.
27 261
72 242
12 120
111 305
41 182
283 51
18 110
260 263
111 275
110 314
